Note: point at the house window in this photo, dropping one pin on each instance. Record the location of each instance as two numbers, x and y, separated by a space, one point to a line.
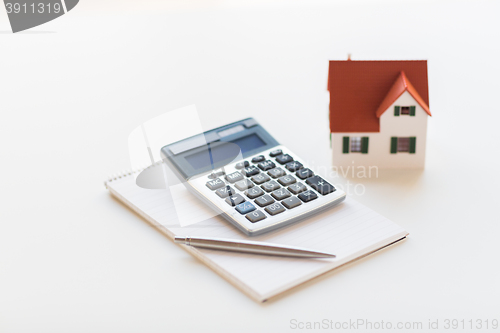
356 144
405 110
403 145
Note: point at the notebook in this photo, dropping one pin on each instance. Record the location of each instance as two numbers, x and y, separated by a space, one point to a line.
349 230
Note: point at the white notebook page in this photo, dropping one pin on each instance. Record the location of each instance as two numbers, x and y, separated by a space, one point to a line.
349 230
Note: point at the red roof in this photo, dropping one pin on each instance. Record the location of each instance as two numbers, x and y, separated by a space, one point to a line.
360 91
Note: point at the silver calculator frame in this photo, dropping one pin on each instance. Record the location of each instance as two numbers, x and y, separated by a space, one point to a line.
197 185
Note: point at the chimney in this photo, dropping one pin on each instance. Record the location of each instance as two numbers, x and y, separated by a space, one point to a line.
348 57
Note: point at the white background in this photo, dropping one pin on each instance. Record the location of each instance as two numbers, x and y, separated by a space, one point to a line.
73 259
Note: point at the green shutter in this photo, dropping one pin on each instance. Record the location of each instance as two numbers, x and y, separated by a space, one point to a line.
412 110
413 144
364 145
396 110
330 140
394 145
345 147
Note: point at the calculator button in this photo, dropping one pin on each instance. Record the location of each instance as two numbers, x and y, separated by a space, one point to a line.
235 200
320 185
234 177
250 171
243 184
304 173
254 192
276 172
275 208
225 191
244 208
264 166
294 166
258 159
284 159
256 216
270 186
215 184
281 194
264 201
291 202
214 175
287 180
259 179
276 152
242 165
307 196
297 188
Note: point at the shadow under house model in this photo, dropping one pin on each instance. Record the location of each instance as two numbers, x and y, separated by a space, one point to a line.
378 113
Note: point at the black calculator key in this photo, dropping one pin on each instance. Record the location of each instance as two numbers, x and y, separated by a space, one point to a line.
259 179
215 184
276 152
320 185
297 188
275 208
250 171
307 196
294 166
287 180
244 208
256 216
264 166
291 202
284 159
276 172
270 186
254 192
235 200
264 201
234 177
214 175
225 191
281 194
243 184
304 173
242 165
258 159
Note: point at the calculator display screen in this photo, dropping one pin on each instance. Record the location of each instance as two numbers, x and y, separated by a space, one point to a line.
224 154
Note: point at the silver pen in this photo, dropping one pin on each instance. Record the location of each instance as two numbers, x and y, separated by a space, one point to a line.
251 247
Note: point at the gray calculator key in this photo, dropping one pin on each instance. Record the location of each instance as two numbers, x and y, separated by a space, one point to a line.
297 188
256 216
287 180
245 207
264 166
284 159
304 173
234 177
276 172
275 208
254 192
294 166
250 171
215 184
308 195
225 191
243 184
242 165
259 179
235 200
215 175
270 186
320 185
291 202
276 152
264 201
258 159
281 194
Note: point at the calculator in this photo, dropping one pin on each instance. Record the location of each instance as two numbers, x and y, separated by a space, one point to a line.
247 177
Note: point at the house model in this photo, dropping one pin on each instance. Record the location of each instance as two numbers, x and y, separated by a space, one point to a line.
378 113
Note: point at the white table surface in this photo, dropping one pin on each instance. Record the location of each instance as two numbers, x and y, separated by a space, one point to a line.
73 259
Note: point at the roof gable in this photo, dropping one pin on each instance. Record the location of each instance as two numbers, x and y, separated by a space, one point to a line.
401 85
358 89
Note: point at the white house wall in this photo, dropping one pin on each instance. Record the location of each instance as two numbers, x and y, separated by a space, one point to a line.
379 146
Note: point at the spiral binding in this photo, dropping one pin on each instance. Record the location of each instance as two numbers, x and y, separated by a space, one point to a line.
128 172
